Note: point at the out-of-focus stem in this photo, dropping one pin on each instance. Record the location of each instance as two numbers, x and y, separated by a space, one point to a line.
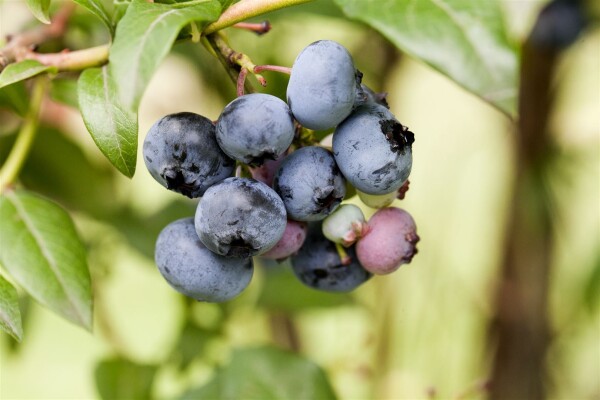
18 154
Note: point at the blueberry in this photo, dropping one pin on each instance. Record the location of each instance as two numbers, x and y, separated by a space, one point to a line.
182 154
390 242
310 183
254 128
373 150
290 242
318 265
323 85
240 217
193 270
345 225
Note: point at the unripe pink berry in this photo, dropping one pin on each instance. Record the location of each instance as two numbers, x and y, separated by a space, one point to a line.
390 242
291 241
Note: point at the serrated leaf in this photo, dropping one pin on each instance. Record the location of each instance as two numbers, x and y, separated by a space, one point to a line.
266 373
22 70
39 8
97 8
144 37
463 39
122 379
44 255
113 126
10 314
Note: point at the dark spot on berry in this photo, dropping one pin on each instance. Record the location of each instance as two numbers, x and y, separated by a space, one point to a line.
176 181
397 135
167 270
194 168
180 158
326 200
232 223
259 159
238 247
285 192
149 159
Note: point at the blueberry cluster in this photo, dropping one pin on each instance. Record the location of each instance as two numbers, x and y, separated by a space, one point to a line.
285 199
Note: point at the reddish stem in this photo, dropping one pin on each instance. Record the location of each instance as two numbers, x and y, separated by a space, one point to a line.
258 28
274 68
241 81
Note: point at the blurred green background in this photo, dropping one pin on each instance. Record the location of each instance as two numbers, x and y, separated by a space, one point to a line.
421 332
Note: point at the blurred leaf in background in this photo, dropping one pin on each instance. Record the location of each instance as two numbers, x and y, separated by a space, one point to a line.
266 373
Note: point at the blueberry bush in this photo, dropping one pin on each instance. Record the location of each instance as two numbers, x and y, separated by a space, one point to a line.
288 257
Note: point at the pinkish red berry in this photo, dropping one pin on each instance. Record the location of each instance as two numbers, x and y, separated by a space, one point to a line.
291 241
390 242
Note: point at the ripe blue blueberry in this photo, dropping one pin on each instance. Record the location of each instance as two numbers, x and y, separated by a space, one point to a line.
254 128
310 184
323 85
318 264
373 150
240 217
182 154
195 271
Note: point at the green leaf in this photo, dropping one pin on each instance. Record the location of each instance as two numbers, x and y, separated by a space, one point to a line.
97 8
44 255
122 379
39 8
266 373
15 97
463 39
10 315
65 91
113 126
20 71
144 37
191 343
56 178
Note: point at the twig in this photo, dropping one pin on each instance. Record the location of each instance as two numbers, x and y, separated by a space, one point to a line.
70 60
20 45
259 28
245 9
520 330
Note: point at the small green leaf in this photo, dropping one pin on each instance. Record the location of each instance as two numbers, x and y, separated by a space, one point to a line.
112 126
97 8
39 8
144 37
122 379
15 97
20 71
463 39
10 315
44 255
266 373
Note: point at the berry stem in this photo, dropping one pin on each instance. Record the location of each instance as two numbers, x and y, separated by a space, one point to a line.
344 257
274 68
241 81
234 59
11 168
